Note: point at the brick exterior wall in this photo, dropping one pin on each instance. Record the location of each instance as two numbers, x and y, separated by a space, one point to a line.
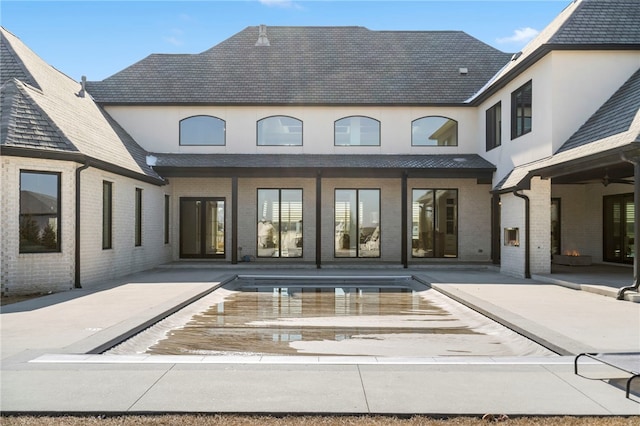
124 257
24 273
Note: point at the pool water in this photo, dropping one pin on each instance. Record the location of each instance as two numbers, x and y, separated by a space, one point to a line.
391 318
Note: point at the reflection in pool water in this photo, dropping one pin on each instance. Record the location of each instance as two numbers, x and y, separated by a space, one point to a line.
308 319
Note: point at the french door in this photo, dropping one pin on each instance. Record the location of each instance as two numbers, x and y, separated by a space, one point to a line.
618 228
202 228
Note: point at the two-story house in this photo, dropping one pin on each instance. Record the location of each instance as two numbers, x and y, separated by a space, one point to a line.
325 146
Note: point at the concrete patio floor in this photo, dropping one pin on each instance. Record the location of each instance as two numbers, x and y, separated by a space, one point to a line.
46 368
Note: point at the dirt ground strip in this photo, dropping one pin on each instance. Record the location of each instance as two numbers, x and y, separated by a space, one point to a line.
247 420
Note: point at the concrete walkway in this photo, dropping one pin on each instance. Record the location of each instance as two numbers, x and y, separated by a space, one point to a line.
46 368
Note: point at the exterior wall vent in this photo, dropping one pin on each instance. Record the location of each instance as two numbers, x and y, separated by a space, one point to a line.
464 71
262 37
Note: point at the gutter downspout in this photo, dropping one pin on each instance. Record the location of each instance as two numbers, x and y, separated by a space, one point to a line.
527 247
77 249
636 230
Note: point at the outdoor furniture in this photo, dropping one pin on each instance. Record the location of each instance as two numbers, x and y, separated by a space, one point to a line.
628 362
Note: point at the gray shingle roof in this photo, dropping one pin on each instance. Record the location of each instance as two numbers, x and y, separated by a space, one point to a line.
22 123
615 22
613 117
12 68
312 65
47 114
319 161
583 24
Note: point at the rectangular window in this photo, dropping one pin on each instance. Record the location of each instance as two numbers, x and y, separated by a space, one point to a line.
279 223
521 107
107 214
167 206
39 212
138 230
357 223
435 223
494 126
202 227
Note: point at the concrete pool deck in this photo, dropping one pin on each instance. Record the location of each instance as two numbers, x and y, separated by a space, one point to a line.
46 369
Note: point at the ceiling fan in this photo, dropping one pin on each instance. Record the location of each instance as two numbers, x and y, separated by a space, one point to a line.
606 180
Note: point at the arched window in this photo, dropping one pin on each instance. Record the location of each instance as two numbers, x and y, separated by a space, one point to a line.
357 131
280 130
202 130
434 131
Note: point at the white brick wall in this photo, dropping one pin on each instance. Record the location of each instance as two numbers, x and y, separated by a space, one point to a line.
512 212
540 222
24 273
124 257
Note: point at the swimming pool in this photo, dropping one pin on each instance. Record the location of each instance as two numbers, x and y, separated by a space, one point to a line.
365 315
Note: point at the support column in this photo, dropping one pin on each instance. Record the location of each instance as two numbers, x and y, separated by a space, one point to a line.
234 220
404 222
319 220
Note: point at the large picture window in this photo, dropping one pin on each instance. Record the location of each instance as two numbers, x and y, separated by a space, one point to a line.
279 227
357 131
280 130
521 108
494 126
357 223
39 212
434 223
107 214
202 130
434 131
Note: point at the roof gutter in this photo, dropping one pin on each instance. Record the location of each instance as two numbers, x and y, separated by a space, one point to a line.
82 159
77 242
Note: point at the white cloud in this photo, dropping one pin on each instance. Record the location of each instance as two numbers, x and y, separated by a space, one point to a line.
521 36
175 39
279 3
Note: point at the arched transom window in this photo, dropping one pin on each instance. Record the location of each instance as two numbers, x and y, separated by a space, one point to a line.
202 130
280 130
434 131
357 131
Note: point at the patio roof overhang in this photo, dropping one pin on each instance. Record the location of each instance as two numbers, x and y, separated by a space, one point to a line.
328 166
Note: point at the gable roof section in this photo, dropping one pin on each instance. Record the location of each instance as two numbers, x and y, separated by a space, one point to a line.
613 128
12 68
312 65
582 25
47 114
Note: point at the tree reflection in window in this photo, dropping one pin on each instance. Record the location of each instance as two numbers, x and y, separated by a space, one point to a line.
434 131
39 212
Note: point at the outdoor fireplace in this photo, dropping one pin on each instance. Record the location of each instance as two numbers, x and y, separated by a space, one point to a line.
571 258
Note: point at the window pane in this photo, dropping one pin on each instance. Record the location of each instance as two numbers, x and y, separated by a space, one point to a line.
107 210
269 218
167 208
521 110
214 224
280 130
357 223
279 223
346 217
369 222
190 228
494 126
434 223
202 130
138 213
357 131
39 215
291 223
434 131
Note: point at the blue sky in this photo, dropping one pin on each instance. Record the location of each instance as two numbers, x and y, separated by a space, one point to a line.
100 38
